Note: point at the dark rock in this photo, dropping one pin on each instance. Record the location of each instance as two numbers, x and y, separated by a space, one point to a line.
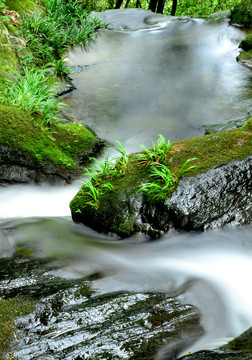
17 166
65 87
246 44
222 196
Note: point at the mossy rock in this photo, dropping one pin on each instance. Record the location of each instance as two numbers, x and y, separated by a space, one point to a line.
242 13
239 348
24 145
246 44
9 310
8 58
22 5
245 58
125 211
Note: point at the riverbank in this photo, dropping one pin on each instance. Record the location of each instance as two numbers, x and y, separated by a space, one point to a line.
37 143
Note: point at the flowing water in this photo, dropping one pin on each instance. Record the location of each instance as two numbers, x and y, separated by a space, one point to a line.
169 79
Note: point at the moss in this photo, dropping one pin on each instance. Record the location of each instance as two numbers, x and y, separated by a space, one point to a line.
246 44
61 147
84 291
9 310
245 58
241 343
8 58
242 13
21 5
116 211
23 251
247 126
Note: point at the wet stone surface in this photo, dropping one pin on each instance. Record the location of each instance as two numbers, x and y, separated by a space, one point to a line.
72 321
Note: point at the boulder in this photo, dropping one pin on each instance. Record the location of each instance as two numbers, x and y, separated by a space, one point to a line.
219 197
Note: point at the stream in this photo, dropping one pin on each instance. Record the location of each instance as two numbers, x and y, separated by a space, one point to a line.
101 298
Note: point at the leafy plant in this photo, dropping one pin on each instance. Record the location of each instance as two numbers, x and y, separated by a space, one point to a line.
91 193
158 152
164 181
33 93
2 5
163 184
50 34
184 169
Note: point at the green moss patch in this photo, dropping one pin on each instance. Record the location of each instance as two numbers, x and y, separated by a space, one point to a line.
9 310
246 44
242 13
21 5
241 343
8 58
59 147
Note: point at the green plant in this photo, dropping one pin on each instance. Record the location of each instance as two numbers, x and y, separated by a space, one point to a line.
184 169
2 5
158 152
49 35
33 93
91 193
163 183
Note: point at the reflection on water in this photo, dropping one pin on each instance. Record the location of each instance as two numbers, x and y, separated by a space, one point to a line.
170 80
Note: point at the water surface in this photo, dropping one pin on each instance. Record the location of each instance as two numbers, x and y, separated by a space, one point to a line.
170 79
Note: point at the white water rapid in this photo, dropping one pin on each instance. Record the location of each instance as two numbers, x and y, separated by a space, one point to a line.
210 270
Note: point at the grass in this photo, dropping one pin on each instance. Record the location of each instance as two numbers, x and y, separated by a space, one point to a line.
34 94
157 153
163 181
49 35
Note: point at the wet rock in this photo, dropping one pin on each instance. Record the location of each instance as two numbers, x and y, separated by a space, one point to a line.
246 44
19 167
230 125
71 321
220 197
245 58
240 348
130 19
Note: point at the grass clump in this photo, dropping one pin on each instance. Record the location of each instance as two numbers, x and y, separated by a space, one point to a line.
9 310
34 94
163 180
158 179
49 35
